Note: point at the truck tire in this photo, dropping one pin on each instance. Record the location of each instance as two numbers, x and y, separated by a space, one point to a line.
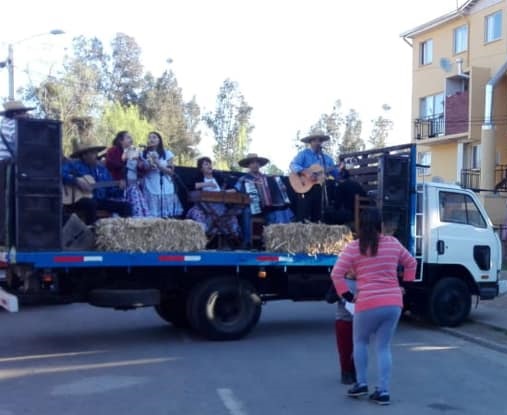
450 302
173 310
223 308
124 299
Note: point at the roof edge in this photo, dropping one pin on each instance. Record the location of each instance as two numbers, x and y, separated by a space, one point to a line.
439 20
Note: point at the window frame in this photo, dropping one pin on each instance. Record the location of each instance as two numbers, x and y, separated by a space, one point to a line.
469 207
455 38
424 59
422 158
490 18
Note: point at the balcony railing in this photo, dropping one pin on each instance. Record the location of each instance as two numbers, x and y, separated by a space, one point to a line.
471 178
429 127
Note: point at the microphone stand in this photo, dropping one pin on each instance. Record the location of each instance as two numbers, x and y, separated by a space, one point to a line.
161 194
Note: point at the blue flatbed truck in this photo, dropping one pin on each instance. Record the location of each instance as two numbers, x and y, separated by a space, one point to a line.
219 294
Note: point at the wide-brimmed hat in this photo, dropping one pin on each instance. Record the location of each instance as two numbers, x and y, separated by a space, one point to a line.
253 157
85 148
14 106
319 136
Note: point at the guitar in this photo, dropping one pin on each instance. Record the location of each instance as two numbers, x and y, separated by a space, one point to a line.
304 181
72 194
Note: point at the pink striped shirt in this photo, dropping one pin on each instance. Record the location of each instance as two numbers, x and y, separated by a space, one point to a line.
377 276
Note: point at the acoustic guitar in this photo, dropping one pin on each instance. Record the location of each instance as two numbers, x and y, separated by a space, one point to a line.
72 194
304 181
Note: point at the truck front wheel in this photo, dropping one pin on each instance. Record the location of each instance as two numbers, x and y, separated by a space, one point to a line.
223 308
450 302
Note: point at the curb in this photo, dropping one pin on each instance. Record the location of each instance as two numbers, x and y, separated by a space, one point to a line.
476 339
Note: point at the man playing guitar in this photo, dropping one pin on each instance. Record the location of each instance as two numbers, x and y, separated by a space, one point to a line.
308 173
89 185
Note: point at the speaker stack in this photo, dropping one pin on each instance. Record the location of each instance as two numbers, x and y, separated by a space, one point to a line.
37 185
394 185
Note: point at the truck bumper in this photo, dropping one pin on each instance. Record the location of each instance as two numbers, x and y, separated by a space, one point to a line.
488 290
8 301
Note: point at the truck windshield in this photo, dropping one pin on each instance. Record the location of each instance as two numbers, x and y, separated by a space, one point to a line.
460 208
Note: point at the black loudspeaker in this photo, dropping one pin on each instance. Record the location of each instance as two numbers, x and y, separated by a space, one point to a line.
395 179
38 149
396 222
38 223
37 188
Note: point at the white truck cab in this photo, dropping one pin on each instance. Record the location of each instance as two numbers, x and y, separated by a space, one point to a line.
458 250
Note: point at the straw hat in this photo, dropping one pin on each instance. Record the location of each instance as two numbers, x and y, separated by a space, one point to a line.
85 149
14 106
253 157
319 136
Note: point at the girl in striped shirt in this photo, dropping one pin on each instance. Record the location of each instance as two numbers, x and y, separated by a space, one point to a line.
374 260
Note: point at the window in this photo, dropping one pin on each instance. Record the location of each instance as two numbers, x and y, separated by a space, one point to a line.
460 39
432 110
426 52
476 157
460 208
424 158
493 27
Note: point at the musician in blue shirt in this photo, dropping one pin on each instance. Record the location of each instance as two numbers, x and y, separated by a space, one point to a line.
88 186
309 170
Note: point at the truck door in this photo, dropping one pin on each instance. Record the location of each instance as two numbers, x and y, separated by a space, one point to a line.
465 235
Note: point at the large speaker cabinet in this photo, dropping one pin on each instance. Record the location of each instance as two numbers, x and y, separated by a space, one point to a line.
38 194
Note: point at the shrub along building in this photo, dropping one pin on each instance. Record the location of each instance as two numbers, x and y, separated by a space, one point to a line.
459 100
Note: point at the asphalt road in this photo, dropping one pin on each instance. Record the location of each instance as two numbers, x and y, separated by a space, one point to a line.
76 359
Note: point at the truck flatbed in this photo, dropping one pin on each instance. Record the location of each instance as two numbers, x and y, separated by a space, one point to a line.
101 259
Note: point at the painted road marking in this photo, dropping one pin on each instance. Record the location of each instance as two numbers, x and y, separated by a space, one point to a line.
233 405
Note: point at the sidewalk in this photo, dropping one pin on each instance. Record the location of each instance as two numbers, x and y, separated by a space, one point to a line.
494 312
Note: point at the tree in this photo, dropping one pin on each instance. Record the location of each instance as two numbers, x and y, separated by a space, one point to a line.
274 170
162 104
351 140
116 118
75 93
381 128
125 75
331 124
231 125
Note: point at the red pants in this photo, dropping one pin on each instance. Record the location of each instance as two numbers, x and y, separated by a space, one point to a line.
344 344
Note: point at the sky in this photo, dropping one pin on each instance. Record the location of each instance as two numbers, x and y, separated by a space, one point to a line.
291 59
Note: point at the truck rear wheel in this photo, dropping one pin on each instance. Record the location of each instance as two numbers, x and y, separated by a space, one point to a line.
173 310
224 308
450 302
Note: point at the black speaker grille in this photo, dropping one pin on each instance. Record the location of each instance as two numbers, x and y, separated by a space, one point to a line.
395 176
39 223
38 149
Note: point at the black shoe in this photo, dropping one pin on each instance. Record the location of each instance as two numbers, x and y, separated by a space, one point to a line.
348 378
358 390
382 398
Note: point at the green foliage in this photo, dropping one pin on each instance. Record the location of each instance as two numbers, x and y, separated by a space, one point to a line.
98 94
116 118
231 126
274 170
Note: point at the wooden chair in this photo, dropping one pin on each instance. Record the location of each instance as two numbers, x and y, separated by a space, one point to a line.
361 203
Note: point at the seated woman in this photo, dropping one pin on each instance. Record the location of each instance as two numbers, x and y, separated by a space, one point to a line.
124 162
215 218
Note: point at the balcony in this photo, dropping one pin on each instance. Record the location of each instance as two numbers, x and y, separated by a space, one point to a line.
455 122
429 127
471 178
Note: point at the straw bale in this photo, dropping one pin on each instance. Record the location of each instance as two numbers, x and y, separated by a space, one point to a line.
310 238
149 235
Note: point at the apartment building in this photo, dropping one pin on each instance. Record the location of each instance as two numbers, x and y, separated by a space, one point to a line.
459 99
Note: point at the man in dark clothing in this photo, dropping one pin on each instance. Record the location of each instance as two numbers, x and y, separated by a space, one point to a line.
89 186
346 192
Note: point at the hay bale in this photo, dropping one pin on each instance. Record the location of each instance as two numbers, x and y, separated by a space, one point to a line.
149 235
310 238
